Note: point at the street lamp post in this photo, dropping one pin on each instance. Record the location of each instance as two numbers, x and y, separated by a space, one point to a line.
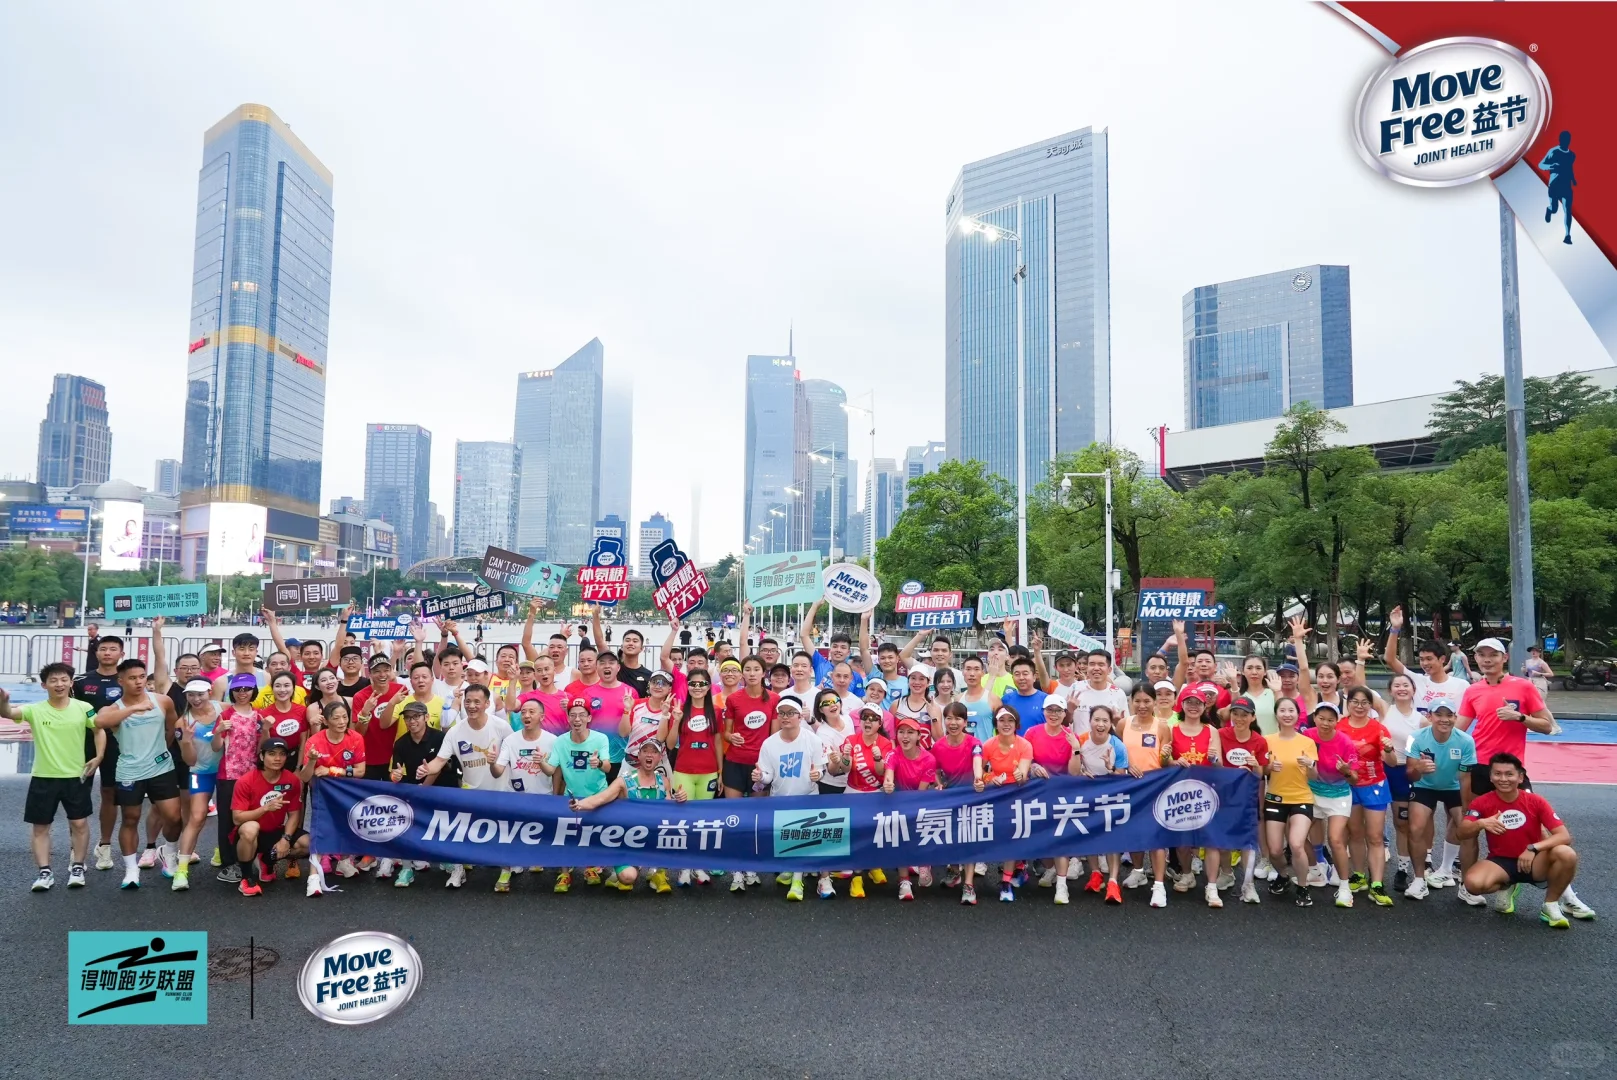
1111 586
991 233
84 590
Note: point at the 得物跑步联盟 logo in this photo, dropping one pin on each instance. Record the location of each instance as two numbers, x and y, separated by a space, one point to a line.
124 977
813 833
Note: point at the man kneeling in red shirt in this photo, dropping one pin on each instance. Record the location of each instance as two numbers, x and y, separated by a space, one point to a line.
267 807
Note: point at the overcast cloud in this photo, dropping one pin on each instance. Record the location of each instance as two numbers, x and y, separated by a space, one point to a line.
684 181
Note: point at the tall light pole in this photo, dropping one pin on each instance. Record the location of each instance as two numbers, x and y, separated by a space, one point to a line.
1523 619
1066 488
84 590
168 527
991 233
870 510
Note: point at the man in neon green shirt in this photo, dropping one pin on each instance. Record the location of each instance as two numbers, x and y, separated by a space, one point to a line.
61 773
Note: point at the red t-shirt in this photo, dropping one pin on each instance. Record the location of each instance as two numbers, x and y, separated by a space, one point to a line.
252 791
862 775
1366 742
1198 687
346 753
999 763
290 725
379 737
555 706
1192 749
1527 818
751 718
1493 735
909 775
1054 752
697 756
1243 754
955 761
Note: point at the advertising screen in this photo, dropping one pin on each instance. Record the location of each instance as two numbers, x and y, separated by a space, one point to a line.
122 525
235 539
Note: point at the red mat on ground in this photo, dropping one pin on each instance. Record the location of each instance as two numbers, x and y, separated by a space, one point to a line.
1572 763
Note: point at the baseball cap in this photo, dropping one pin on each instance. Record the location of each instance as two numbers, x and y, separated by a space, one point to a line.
478 666
1288 669
524 663
243 681
911 723
577 703
1163 684
1490 643
870 710
351 650
790 701
414 708
661 676
202 686
652 743
1196 697
1066 655
1053 702
1244 704
876 682
381 660
275 742
1441 706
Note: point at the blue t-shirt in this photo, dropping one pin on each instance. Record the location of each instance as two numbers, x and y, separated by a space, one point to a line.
1028 707
822 674
573 758
1458 752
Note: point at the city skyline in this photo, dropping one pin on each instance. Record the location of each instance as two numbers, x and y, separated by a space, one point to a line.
845 241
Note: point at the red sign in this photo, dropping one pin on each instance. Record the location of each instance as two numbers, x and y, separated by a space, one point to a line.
605 584
681 594
199 343
928 601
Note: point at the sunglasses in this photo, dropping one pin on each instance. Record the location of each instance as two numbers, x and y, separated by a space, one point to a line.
698 682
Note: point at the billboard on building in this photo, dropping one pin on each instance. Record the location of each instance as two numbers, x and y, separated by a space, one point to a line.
235 539
122 527
44 518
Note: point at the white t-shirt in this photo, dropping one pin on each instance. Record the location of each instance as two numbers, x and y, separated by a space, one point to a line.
1429 693
520 758
466 745
785 765
832 739
1081 697
1401 728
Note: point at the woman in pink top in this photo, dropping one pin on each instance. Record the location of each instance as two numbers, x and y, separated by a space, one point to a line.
911 769
959 758
243 730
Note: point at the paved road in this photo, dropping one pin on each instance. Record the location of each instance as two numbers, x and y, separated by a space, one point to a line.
702 983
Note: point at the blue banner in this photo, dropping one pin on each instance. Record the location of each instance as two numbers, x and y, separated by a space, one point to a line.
950 619
1195 807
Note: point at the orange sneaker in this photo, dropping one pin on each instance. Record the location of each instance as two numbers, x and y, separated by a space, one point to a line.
1097 881
1114 895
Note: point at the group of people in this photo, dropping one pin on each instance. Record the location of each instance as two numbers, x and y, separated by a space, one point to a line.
244 743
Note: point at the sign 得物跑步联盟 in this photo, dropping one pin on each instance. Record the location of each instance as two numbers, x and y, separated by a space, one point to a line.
851 587
516 573
381 627
787 577
947 619
1002 604
293 594
148 602
680 584
479 601
604 578
1186 605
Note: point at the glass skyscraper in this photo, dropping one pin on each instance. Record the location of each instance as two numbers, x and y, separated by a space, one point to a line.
260 308
558 426
1256 346
486 494
75 443
827 467
1053 194
398 468
884 497
777 445
532 433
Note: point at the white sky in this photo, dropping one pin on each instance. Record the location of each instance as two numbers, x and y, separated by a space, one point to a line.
685 180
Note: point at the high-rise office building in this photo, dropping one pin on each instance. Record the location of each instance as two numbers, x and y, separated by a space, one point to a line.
1256 346
440 546
774 502
486 495
884 497
617 448
827 469
918 461
615 527
260 308
653 531
347 506
855 547
398 469
166 479
75 443
1053 194
559 427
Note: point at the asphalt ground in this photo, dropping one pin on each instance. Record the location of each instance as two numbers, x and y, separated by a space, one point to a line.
703 983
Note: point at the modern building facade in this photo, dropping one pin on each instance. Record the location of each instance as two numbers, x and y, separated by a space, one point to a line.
398 471
884 498
1256 346
75 441
487 490
827 467
559 426
1053 194
777 441
347 505
440 545
918 461
166 477
653 531
615 527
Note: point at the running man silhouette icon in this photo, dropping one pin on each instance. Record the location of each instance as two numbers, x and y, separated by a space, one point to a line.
1558 163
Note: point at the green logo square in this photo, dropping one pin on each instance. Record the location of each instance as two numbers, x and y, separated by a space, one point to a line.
137 977
810 834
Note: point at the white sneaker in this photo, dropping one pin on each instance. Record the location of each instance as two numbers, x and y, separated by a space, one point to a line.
1418 889
45 879
905 890
752 878
1437 879
131 878
317 880
826 889
1316 876
1226 880
1196 864
738 882
1061 890
103 857
981 868
1211 893
1159 894
1470 897
1184 882
923 876
346 867
384 869
1333 879
1048 878
684 879
457 878
168 857
1136 879
703 877
1575 907
148 858
1264 871
75 876
1075 869
1249 894
1344 895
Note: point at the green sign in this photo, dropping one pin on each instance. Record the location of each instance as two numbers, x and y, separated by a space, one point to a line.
146 601
137 977
786 577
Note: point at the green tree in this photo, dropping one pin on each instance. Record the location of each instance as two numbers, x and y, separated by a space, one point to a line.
1473 414
958 532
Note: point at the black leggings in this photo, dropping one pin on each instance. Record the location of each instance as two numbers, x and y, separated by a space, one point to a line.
222 790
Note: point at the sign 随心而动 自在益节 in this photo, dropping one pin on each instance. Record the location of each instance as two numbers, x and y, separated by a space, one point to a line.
381 627
150 601
852 588
462 605
604 577
1002 604
1185 605
790 577
945 619
293 594
516 573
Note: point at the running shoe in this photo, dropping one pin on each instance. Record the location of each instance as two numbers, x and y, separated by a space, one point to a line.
457 877
503 882
345 867
1196 864
230 875
215 860
1019 879
1437 879
1379 896
366 863
592 876
683 879
1075 869
317 881
1569 903
1136 879
612 881
266 870
148 858
738 883
796 890
906 891
564 881
953 877
1278 885
620 884
182 878
968 895
1417 889
1048 878
827 889
1470 897
1211 895
1006 893
878 877
249 888
753 879
194 858
1249 893
1226 879
1061 890
131 878
1184 882
405 877
856 887
1316 877
44 881
1332 878
1504 901
384 869
981 868
1097 881
703 877
1550 914
1400 880
103 856
292 869
923 877
1303 898
75 876
1265 870
1344 895
1358 882
168 857
1114 895
659 882
1159 894
783 878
